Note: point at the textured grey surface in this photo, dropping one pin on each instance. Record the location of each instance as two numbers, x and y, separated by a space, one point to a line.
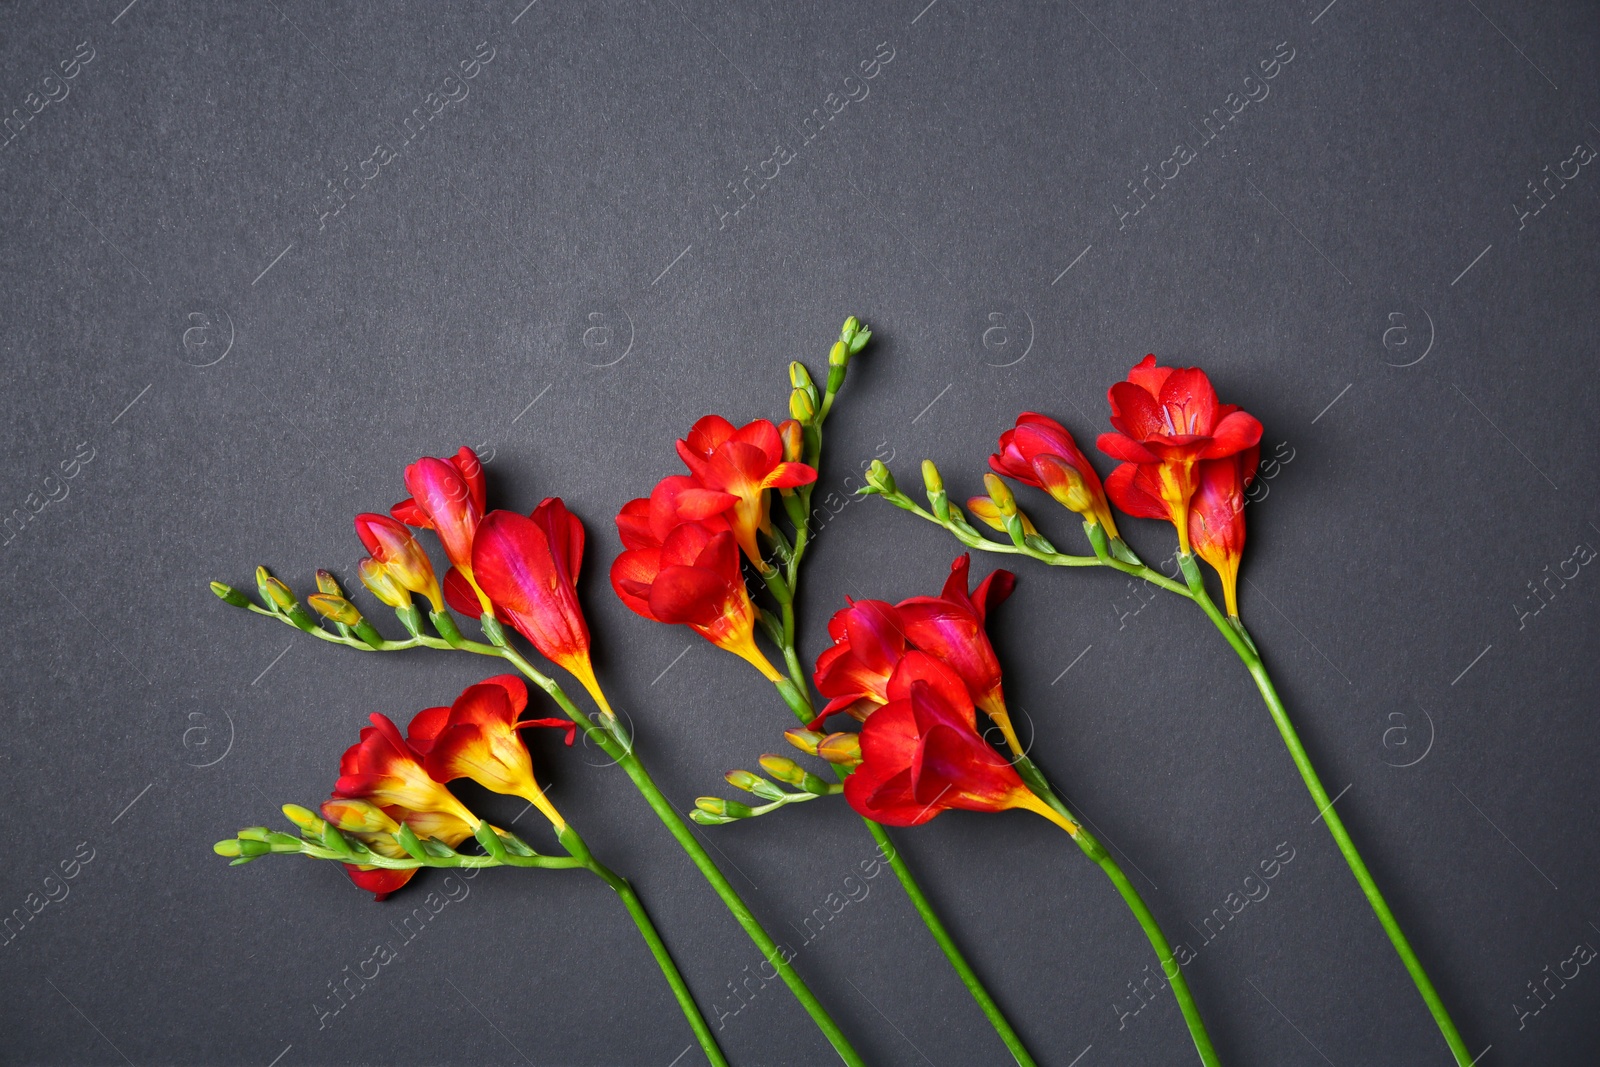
1355 257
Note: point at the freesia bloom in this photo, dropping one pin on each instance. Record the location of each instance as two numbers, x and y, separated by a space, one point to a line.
397 566
869 642
951 627
448 496
1168 421
476 737
921 754
741 464
384 771
1216 518
1040 452
871 638
528 567
693 578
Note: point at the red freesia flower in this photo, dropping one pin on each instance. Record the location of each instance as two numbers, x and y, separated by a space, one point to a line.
1216 517
528 567
448 496
678 498
871 638
693 578
476 737
1040 452
869 642
384 771
951 626
921 754
740 464
1168 421
398 566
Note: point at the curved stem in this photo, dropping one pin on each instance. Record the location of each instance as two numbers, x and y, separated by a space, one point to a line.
1241 644
658 949
1170 969
616 745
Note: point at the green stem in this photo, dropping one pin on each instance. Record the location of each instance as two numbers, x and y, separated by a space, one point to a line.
936 927
1170 969
658 949
1241 644
616 745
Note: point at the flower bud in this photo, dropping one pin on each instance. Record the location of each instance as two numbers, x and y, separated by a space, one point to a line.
805 740
986 512
783 769
230 595
229 848
307 820
744 780
859 340
727 809
800 377
841 749
336 608
327 583
793 436
932 480
1068 487
999 492
280 595
880 478
839 355
382 584
358 816
262 578
801 406
848 331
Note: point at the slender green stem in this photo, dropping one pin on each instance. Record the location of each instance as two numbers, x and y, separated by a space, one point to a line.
1170 969
1238 638
1241 644
658 949
619 747
908 881
936 927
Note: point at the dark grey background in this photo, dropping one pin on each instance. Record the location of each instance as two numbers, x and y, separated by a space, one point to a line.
1346 259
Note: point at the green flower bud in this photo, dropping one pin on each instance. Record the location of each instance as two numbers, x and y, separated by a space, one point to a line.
327 583
280 595
999 492
228 848
801 407
880 478
728 809
230 595
839 355
800 377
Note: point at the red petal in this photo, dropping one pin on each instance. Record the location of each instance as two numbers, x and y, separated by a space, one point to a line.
688 595
1135 495
379 881
1149 377
466 461
1190 400
1235 433
1135 412
565 533
708 434
460 595
554 724
1122 447
633 525
513 564
632 574
992 591
426 725
408 512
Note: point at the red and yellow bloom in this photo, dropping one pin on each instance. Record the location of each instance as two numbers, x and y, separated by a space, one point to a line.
1039 451
739 465
1168 421
692 578
476 737
448 496
528 567
397 566
384 772
1216 517
921 754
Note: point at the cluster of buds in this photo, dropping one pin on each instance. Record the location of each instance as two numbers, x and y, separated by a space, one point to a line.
781 771
685 541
